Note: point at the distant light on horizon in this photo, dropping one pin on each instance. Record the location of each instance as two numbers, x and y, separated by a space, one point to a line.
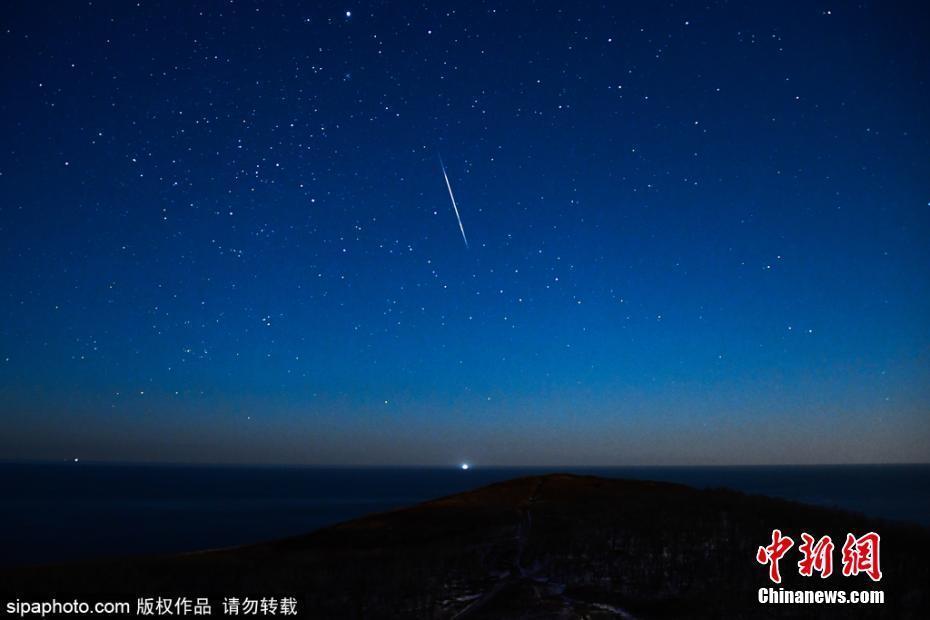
464 465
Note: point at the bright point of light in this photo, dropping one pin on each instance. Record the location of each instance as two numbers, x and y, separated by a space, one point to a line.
348 13
464 465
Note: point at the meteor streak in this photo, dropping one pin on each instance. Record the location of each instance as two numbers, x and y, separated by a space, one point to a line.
454 206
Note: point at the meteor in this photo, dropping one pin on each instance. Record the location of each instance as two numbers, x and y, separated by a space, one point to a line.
454 206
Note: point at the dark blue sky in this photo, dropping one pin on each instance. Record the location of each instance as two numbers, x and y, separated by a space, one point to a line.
698 232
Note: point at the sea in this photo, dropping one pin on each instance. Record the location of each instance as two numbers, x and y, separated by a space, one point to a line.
61 512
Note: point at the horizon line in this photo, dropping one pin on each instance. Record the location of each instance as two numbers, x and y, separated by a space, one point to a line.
472 466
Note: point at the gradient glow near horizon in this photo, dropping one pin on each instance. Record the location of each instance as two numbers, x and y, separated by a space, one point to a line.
696 233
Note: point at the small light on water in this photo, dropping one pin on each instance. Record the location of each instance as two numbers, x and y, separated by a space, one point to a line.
464 465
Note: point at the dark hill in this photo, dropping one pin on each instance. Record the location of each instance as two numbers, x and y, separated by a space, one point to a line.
554 546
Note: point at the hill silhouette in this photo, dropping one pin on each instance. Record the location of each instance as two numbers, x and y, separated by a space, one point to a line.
555 546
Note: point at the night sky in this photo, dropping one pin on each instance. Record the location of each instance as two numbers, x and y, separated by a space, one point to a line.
697 232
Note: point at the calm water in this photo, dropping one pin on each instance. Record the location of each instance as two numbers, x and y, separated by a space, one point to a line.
56 512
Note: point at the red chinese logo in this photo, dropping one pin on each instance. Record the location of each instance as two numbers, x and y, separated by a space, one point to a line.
860 555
